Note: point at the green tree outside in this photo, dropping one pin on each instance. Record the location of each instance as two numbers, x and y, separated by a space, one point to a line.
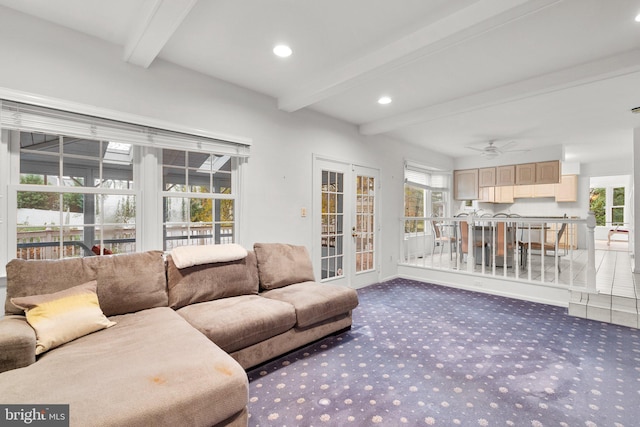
597 203
73 202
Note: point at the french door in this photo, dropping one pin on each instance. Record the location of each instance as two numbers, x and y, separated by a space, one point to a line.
345 223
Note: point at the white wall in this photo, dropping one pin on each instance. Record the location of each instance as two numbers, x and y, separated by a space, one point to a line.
51 61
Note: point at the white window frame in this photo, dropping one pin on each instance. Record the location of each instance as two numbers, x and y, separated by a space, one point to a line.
147 159
610 206
89 188
429 189
235 161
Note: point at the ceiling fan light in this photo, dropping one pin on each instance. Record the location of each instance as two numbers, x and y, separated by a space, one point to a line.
490 154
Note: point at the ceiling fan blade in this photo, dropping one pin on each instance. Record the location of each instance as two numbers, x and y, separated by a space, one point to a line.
475 149
508 144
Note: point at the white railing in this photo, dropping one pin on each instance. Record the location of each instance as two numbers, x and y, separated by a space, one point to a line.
194 234
558 251
47 243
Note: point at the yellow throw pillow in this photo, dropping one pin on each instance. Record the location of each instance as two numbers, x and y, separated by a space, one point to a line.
63 316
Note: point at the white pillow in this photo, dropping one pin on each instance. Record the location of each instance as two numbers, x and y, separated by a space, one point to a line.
188 256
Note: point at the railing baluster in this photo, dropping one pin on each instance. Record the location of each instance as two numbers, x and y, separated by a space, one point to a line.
484 246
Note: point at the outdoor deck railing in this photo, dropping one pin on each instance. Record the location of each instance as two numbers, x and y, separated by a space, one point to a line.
509 247
48 244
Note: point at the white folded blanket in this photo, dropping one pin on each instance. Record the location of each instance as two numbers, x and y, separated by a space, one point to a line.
188 256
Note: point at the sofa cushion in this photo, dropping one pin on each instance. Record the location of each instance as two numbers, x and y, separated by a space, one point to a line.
126 283
281 265
207 282
315 302
150 369
63 316
238 322
17 343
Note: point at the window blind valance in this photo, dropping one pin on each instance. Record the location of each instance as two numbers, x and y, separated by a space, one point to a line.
26 117
425 178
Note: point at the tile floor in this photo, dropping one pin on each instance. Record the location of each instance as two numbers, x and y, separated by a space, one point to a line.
613 270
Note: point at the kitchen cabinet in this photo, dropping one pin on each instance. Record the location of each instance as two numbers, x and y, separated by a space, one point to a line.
496 194
526 174
527 179
505 175
531 191
544 190
486 194
465 184
567 190
548 172
538 173
487 177
522 191
504 194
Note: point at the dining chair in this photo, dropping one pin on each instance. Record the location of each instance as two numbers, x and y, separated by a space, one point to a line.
543 246
503 234
440 239
464 242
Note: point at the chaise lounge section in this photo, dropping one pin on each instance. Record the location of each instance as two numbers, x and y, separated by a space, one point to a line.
182 337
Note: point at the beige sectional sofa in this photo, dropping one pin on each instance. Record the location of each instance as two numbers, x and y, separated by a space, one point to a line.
182 337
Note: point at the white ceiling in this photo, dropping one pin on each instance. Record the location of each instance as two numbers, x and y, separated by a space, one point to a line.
538 72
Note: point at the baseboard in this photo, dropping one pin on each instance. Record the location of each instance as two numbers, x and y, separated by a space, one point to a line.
540 293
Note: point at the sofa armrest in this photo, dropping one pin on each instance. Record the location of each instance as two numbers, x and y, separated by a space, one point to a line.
17 343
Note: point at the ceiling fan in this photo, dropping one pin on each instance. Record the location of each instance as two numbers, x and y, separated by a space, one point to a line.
491 151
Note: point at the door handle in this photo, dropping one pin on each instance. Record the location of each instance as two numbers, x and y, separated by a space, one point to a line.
353 232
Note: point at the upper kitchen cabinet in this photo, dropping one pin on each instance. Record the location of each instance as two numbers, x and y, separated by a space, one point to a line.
526 174
505 175
538 173
487 177
567 190
502 194
548 172
465 184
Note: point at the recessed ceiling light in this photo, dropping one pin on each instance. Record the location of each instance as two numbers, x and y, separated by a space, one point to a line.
282 51
638 17
384 100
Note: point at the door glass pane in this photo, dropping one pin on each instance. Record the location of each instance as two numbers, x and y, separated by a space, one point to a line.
331 237
364 224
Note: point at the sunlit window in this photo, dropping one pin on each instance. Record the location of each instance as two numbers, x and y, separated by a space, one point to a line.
57 215
425 195
199 200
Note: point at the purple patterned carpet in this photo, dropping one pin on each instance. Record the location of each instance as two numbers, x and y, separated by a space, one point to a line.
422 355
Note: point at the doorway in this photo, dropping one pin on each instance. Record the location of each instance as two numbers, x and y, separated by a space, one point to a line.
609 199
346 228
